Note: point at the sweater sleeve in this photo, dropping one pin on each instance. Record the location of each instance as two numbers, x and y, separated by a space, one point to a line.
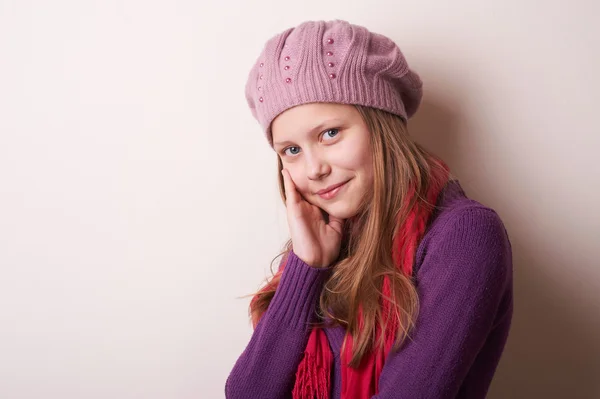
266 369
465 290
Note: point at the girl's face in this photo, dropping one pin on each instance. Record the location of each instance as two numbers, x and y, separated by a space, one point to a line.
323 145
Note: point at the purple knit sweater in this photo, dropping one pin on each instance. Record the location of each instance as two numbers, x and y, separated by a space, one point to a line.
463 272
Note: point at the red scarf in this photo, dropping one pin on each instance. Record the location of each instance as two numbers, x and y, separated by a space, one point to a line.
314 370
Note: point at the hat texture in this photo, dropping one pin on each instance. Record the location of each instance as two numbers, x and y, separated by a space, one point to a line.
330 62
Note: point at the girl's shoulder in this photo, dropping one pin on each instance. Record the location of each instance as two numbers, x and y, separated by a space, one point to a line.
454 206
461 226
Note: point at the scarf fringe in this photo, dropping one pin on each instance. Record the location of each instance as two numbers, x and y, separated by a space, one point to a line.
309 373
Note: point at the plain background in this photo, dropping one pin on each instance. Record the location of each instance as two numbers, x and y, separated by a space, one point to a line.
138 198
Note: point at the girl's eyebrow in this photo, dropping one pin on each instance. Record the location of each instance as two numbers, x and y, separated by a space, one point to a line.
319 127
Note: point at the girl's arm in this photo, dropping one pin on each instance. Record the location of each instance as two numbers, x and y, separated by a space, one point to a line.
465 292
267 367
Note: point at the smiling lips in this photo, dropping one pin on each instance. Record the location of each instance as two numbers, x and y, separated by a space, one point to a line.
331 191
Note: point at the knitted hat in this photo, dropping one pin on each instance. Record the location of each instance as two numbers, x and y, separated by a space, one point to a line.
330 62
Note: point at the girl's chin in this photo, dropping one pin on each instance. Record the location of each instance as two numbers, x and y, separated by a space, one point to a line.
340 211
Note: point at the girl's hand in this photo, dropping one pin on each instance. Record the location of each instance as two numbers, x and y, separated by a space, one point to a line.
314 241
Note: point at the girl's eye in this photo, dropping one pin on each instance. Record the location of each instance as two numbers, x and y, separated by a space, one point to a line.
331 133
292 153
325 134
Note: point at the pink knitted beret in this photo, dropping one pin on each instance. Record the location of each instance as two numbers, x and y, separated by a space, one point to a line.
331 62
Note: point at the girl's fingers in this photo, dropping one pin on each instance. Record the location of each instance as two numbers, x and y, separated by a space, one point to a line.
290 188
336 223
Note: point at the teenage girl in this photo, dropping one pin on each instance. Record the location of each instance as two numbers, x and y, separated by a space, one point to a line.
394 284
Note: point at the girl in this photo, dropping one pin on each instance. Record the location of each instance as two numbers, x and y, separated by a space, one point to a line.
394 284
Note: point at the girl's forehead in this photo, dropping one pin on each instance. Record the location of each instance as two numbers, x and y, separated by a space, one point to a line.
306 118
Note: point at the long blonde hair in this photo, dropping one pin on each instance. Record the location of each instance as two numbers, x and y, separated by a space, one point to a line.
366 253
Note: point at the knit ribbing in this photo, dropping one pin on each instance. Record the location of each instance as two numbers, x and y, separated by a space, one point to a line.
295 300
283 328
